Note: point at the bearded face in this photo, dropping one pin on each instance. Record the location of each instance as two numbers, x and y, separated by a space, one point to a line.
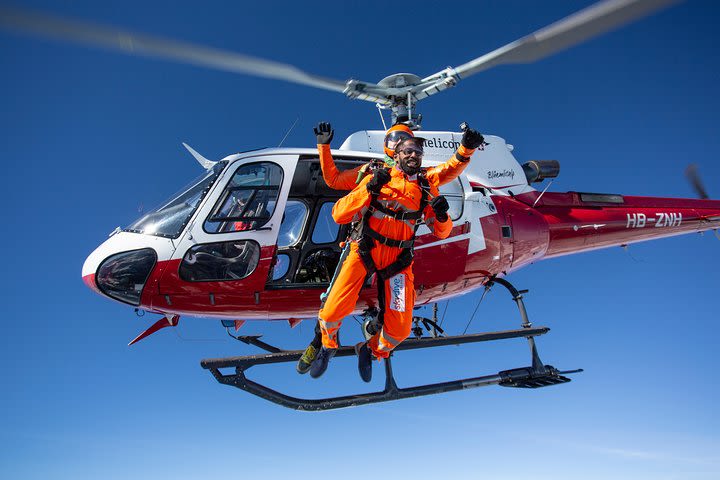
409 156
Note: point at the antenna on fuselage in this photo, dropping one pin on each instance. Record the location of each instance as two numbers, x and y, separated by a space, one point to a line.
288 132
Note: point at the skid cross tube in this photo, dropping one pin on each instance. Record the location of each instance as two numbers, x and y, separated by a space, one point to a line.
391 391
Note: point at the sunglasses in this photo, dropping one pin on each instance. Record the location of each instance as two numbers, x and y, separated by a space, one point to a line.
410 151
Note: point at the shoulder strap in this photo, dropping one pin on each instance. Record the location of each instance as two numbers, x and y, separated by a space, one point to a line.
424 188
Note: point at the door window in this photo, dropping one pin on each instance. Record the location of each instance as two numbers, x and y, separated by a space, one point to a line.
249 199
292 224
326 230
281 267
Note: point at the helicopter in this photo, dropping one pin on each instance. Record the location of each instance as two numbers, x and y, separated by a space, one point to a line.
252 237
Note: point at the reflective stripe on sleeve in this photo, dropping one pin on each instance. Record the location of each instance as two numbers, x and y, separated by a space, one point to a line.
329 325
387 343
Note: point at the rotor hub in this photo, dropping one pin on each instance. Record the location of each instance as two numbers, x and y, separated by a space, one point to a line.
400 80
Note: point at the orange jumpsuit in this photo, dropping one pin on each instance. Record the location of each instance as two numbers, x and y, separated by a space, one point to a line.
399 290
348 179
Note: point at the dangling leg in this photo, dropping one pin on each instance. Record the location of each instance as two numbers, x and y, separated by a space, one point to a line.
308 356
340 303
311 351
397 302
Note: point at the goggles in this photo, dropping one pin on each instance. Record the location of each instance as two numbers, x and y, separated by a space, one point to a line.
393 138
410 151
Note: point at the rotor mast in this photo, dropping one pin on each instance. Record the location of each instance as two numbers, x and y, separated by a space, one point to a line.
400 93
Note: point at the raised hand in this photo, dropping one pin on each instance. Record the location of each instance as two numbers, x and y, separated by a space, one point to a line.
324 133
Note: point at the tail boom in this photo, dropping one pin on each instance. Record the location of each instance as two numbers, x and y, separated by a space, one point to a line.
579 222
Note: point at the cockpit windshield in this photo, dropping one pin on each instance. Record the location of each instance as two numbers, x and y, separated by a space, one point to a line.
170 219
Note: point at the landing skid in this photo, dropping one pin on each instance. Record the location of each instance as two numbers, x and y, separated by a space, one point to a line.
535 376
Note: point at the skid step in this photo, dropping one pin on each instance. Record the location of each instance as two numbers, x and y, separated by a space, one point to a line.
528 377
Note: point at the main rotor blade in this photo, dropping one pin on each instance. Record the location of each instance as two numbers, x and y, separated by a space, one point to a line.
140 44
565 33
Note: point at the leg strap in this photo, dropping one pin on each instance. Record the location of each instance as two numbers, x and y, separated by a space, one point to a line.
401 263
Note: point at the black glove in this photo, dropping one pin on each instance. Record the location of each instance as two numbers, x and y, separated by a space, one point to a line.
472 139
324 133
379 178
440 206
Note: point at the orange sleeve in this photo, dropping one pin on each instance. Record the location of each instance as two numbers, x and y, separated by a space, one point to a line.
336 179
452 168
350 205
448 171
439 229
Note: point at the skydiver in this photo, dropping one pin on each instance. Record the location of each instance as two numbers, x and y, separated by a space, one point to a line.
391 202
349 179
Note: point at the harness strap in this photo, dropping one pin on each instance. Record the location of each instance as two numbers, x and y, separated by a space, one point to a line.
409 223
425 189
401 262
369 236
390 242
401 215
364 247
381 302
396 214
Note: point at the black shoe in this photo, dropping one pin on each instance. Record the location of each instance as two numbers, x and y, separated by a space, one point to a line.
365 357
303 365
320 364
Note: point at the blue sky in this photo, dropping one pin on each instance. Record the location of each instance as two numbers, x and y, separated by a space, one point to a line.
88 137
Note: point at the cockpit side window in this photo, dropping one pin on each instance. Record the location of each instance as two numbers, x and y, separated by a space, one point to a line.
220 261
249 199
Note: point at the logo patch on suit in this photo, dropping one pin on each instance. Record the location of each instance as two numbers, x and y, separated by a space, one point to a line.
397 293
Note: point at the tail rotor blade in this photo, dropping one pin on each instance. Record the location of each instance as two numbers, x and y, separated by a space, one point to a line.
691 172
